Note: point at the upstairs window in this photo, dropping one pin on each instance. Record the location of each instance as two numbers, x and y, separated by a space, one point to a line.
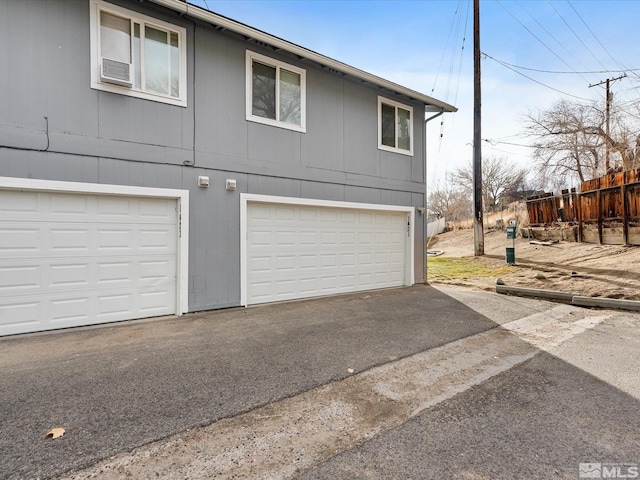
395 127
136 55
275 93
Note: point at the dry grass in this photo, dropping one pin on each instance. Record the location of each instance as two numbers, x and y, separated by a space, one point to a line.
517 210
453 268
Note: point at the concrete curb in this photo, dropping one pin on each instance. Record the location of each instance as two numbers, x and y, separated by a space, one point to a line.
534 292
606 303
571 298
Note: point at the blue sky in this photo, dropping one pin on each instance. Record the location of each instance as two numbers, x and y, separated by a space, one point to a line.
419 44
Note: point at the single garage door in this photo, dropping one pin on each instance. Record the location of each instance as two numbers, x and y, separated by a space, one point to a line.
71 259
298 251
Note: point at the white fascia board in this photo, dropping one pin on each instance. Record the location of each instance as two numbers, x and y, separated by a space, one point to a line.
226 23
182 196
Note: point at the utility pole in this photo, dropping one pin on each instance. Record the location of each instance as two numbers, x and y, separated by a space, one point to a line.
478 232
608 117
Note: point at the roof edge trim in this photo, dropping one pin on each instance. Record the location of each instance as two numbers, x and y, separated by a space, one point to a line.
224 22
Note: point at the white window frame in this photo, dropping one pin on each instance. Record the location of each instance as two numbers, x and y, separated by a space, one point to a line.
98 6
394 104
253 56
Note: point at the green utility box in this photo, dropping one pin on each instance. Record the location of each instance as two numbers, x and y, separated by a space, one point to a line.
511 235
511 255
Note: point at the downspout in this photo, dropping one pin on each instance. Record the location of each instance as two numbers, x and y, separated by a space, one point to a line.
424 215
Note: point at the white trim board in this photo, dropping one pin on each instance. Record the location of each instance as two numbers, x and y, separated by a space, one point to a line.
246 198
182 289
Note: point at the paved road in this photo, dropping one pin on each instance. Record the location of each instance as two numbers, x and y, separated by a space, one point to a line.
118 388
539 420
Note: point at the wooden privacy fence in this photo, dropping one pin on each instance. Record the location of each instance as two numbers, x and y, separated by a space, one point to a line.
606 210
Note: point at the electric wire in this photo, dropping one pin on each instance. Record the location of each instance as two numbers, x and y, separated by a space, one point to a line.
494 142
533 34
594 35
464 38
576 35
559 72
537 81
553 37
446 46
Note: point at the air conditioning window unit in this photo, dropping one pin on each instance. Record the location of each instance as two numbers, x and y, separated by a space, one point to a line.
119 73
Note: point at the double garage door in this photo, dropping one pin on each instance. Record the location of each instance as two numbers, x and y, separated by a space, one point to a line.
70 259
299 250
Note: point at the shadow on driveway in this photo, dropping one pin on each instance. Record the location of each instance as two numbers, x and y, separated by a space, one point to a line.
117 387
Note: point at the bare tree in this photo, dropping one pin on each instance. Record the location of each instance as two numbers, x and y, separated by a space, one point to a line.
449 200
499 175
571 141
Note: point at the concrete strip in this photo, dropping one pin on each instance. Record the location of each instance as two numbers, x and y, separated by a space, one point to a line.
606 303
568 297
547 330
534 292
282 439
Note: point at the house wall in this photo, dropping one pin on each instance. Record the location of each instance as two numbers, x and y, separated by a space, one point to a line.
101 137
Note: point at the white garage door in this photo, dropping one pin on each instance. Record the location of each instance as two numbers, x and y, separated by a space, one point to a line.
77 259
298 251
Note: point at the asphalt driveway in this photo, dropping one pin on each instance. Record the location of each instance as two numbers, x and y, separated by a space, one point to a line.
117 387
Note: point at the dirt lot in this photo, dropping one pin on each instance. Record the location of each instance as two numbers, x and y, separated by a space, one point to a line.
609 271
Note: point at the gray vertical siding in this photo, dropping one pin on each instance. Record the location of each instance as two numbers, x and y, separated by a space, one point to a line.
101 137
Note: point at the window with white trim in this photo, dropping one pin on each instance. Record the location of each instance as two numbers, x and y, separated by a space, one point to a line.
395 126
276 93
136 55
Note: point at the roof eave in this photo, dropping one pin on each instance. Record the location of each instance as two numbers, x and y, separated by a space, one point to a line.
252 33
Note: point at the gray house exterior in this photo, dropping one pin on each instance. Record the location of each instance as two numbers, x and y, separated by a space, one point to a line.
156 158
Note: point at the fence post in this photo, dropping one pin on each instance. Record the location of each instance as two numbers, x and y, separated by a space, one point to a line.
600 207
625 215
578 203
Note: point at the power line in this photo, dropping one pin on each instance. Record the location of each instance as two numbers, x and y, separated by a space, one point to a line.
560 44
593 34
446 46
464 37
536 81
493 142
576 35
559 72
533 35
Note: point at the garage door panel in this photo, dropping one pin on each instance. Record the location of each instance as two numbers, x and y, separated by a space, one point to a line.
69 275
18 204
308 215
115 239
283 238
78 259
16 239
156 270
19 315
155 302
365 218
70 310
19 279
343 250
156 211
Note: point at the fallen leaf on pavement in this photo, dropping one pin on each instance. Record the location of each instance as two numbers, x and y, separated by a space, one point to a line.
55 433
